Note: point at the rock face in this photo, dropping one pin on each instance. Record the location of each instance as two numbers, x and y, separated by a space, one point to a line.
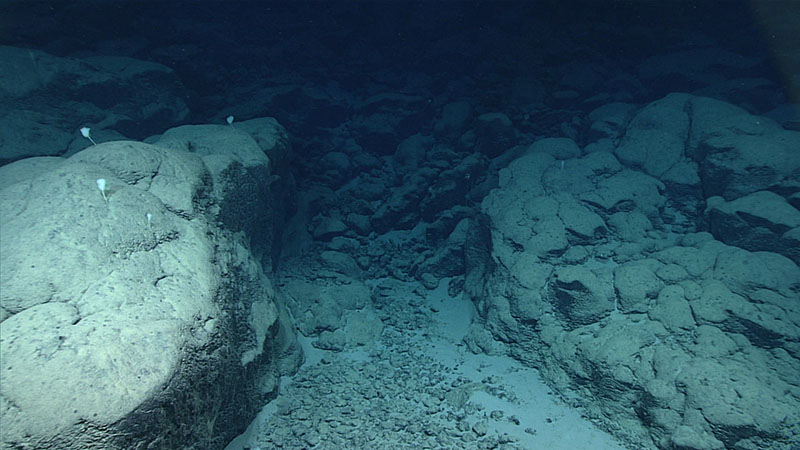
136 315
600 274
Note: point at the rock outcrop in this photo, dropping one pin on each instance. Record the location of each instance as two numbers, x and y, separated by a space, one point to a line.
600 273
46 99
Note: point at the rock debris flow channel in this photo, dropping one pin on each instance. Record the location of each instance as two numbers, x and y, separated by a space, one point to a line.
419 387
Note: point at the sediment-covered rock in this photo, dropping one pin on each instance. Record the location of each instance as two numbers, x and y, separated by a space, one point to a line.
133 313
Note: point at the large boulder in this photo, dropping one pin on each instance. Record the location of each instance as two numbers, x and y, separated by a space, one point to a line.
132 315
248 166
701 147
739 153
656 136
